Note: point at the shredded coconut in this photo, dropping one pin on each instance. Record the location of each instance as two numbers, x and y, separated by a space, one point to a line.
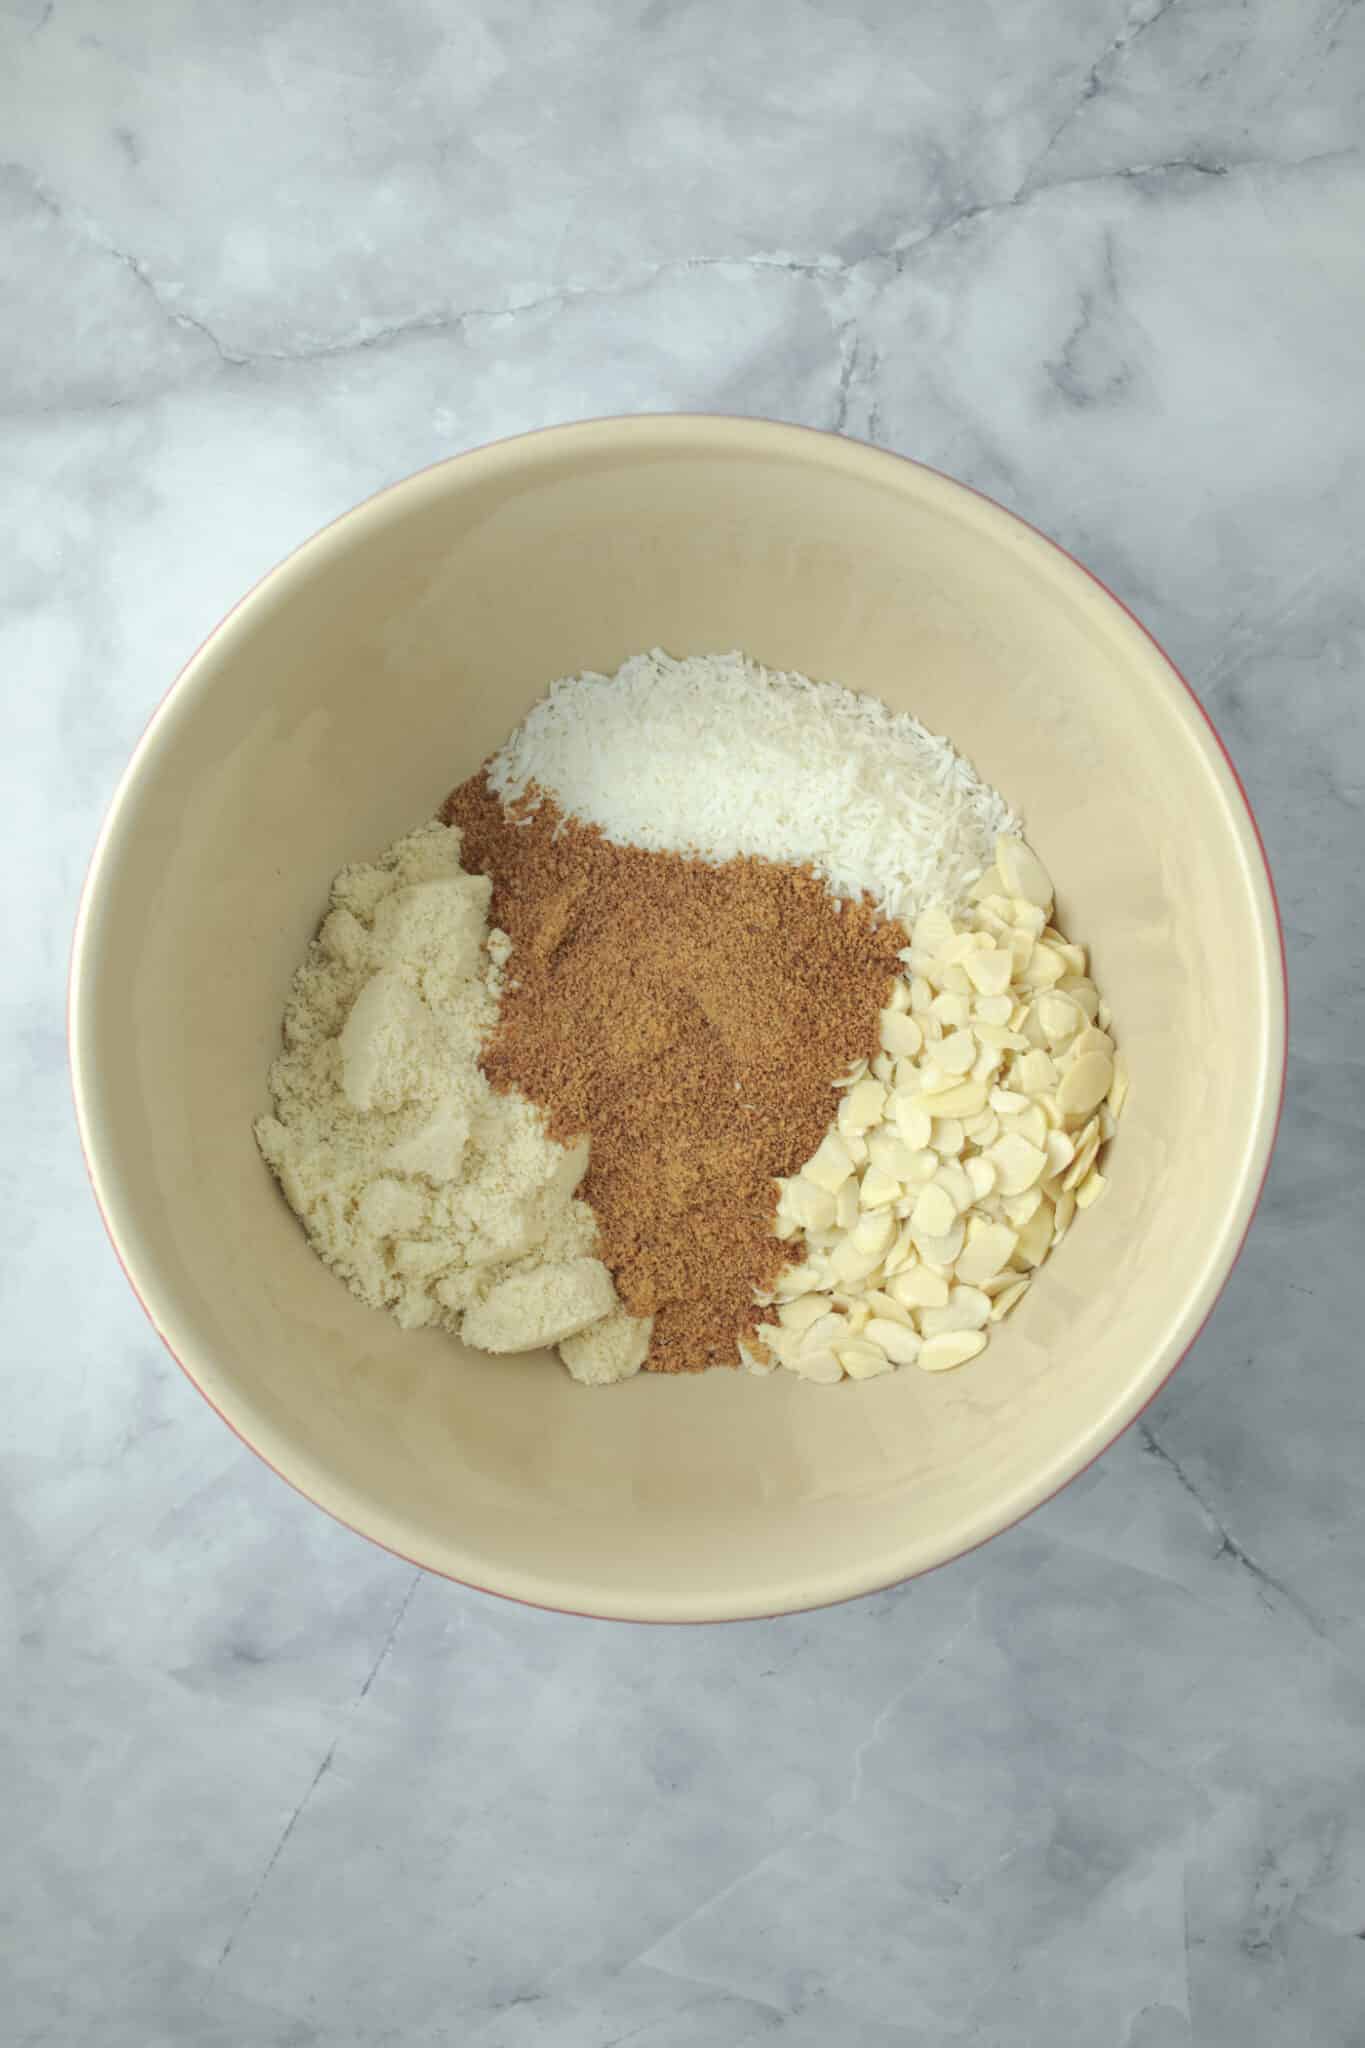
717 756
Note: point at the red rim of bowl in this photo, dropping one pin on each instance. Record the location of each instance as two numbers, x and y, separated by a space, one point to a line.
785 427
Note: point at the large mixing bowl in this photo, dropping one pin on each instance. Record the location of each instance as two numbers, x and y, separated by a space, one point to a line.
377 667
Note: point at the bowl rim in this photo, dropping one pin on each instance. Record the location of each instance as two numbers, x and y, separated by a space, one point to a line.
773 437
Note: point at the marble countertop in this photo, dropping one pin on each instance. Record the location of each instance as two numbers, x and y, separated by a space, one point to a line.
1102 1783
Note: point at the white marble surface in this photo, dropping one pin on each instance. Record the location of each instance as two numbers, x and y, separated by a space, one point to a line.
1102 1783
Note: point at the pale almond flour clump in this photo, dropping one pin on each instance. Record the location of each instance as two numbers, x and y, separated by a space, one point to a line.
428 1193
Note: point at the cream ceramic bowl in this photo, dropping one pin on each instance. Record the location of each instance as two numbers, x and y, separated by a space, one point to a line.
378 666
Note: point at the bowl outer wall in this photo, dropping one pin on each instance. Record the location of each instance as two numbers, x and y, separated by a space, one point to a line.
442 607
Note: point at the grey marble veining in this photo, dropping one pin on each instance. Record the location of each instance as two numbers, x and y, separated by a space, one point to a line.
1101 1784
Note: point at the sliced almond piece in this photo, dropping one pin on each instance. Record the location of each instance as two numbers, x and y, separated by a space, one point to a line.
1059 1018
957 1052
1017 1163
1021 952
933 930
796 1280
822 1366
1020 1209
874 1233
941 1354
797 1316
950 1135
1051 1112
1008 1298
987 1064
1060 1152
888 1150
932 1080
900 1344
1085 1083
918 1287
966 1308
877 1189
965 1098
862 1107
885 1308
848 1266
1080 1165
941 1252
952 1011
1030 1123
988 1249
808 1206
993 1009
989 972
1093 1040
988 884
1045 967
1082 992
955 1184
924 1165
1002 1036
827 1331
981 1173
1090 1189
902 1252
862 1360
1118 1092
1032 1032
783 1344
1037 1072
900 1032
934 1212
1066 1209
1022 872
830 1165
1035 1239
846 1206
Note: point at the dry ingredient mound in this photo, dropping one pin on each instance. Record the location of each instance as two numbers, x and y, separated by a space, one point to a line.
692 1019
717 756
429 1193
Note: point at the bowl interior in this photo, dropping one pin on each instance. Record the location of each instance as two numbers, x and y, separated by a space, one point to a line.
376 668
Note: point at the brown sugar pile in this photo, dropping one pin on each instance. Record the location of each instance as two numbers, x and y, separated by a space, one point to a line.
692 1019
